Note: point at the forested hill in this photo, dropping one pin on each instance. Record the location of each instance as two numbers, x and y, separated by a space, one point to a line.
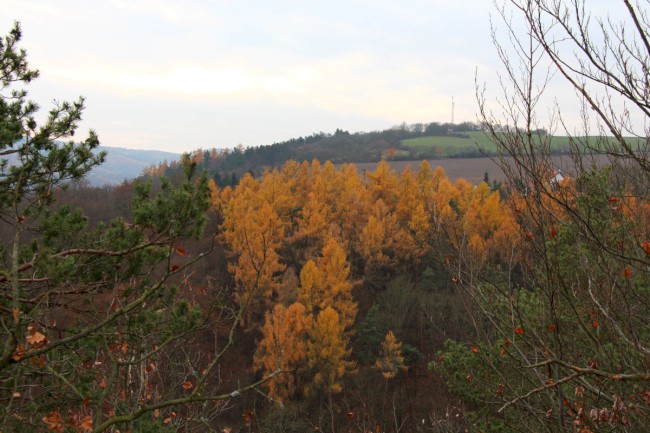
404 142
122 164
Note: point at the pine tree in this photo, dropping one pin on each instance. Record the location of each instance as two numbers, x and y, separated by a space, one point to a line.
88 318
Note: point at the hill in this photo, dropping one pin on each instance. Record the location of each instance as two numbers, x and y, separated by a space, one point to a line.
339 147
441 143
122 164
468 143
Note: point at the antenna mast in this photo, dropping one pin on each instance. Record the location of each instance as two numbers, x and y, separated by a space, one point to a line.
452 110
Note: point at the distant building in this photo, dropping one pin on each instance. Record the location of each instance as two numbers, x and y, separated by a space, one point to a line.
556 180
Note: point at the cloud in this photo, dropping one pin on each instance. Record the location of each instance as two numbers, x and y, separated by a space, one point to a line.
286 65
188 80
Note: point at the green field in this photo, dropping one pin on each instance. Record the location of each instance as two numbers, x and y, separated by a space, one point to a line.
446 146
450 146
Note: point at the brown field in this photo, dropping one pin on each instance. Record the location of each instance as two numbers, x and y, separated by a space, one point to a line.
472 169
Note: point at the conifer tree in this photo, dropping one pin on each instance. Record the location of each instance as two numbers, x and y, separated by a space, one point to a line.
391 360
327 353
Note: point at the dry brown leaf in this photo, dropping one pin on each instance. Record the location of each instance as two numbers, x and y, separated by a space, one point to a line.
36 338
87 423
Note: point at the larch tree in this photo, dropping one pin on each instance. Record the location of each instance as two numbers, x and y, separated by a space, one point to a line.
254 232
324 283
383 184
390 361
283 348
328 354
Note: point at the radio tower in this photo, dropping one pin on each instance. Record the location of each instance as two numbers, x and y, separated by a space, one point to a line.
452 110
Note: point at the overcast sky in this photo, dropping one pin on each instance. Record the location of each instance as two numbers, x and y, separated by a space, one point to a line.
176 76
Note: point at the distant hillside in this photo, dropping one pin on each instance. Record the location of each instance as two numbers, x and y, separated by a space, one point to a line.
340 147
433 141
122 164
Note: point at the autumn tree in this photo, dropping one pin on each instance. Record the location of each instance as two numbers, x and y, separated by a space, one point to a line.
328 354
253 231
324 284
284 348
383 184
391 360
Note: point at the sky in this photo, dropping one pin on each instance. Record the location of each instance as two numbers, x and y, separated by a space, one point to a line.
177 76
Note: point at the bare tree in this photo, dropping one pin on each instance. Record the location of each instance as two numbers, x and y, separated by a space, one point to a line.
572 333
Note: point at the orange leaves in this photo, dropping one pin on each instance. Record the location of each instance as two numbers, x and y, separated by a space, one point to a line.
383 183
627 273
519 330
170 418
284 339
187 385
324 283
613 201
327 352
254 232
57 424
19 353
54 421
86 423
646 247
180 251
474 349
35 338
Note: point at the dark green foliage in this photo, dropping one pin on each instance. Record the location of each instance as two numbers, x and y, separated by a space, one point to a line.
371 334
397 304
411 354
470 375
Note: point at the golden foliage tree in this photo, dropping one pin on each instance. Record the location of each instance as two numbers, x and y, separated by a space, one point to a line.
254 233
327 353
391 360
283 348
383 184
324 283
